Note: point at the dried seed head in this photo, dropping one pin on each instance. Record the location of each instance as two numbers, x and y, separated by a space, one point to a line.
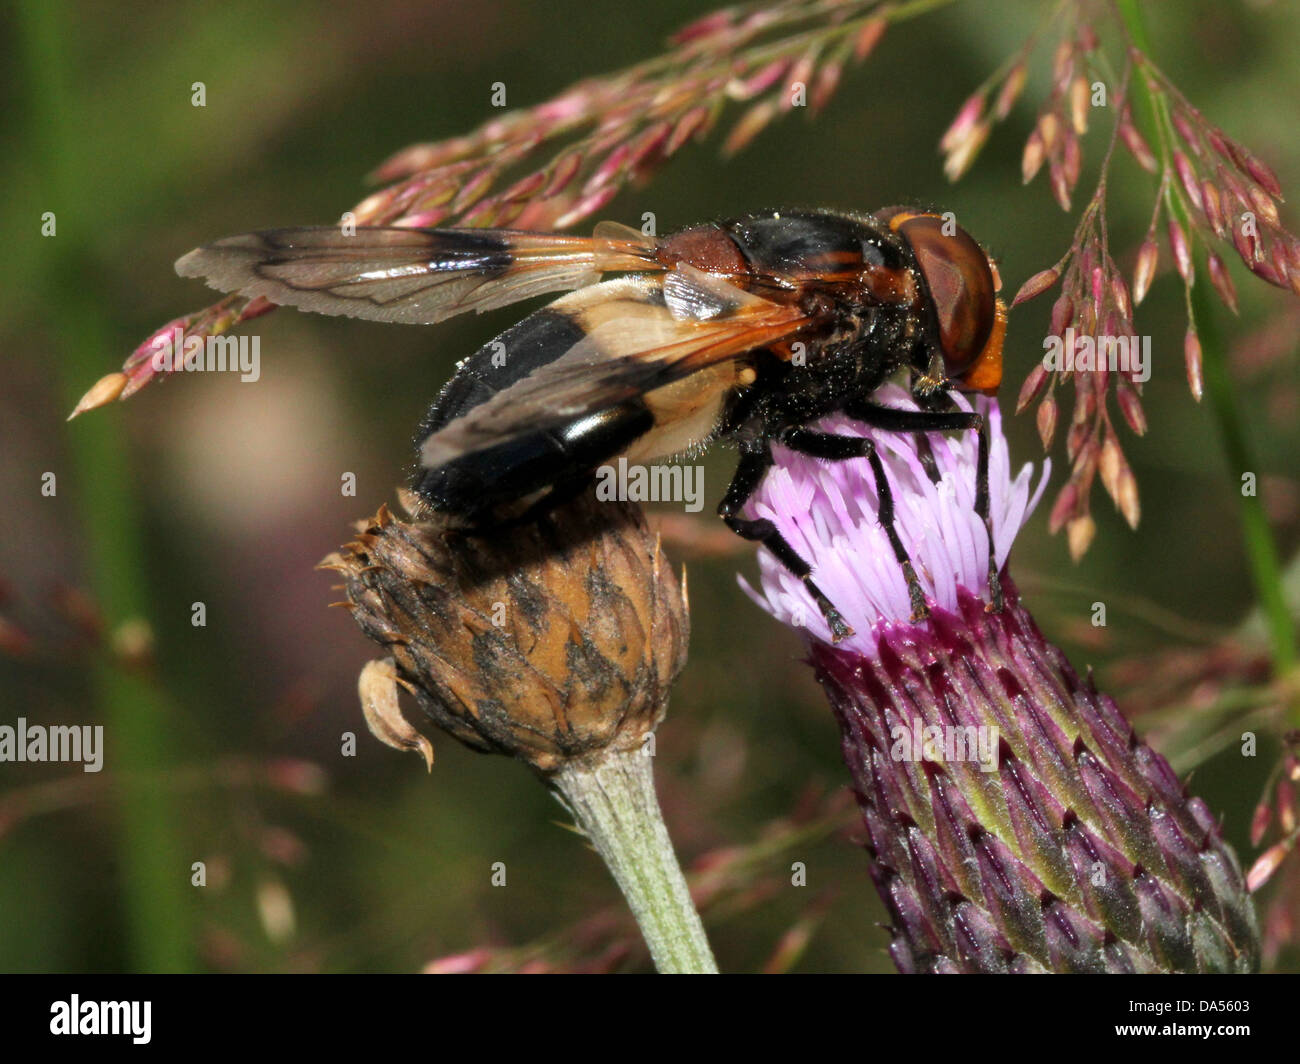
1119 292
1034 383
868 37
1060 181
547 641
1062 314
1222 282
1047 420
1187 175
1120 483
1037 285
1063 61
1079 102
967 118
1067 502
1183 122
1264 206
962 156
1192 357
750 125
1262 174
1049 128
1286 805
1136 145
1032 160
104 390
1182 252
1010 91
1267 863
1212 207
1281 264
1260 821
1111 466
1131 407
1080 532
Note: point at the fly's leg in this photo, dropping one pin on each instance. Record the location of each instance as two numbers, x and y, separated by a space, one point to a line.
841 448
755 460
893 420
925 453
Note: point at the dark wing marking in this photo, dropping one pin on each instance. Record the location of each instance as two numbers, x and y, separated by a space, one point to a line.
413 276
641 333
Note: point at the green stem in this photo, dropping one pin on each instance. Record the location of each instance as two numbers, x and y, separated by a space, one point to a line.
1261 547
154 874
613 800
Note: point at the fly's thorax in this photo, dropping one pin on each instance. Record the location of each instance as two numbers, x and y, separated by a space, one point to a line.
706 247
802 244
862 347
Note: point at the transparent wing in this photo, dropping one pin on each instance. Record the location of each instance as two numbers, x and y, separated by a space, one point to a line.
413 276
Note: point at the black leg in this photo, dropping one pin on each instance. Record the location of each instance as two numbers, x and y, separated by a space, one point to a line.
840 448
755 461
925 453
893 420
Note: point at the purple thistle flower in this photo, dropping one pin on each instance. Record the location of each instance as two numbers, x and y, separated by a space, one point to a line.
827 512
1015 821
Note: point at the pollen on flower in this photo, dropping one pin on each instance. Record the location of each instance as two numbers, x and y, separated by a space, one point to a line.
829 513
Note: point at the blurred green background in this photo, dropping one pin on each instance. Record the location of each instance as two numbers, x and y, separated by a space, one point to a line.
225 747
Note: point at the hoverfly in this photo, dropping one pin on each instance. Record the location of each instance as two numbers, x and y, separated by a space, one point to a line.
749 330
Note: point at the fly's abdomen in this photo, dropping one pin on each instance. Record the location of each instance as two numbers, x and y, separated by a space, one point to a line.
477 482
540 338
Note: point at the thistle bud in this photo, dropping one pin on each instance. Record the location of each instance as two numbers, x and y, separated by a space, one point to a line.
547 641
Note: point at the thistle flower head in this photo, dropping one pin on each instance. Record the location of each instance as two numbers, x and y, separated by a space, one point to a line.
829 512
1015 822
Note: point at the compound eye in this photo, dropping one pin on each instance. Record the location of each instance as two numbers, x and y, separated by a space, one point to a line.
961 283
